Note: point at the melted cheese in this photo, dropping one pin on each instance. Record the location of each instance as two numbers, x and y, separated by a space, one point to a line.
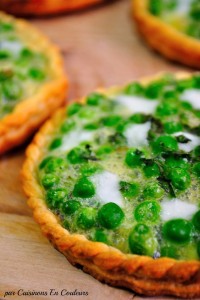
192 96
136 104
175 208
107 187
187 147
75 137
136 134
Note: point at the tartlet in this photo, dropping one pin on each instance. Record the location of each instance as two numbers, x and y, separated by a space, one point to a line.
44 7
170 27
113 181
32 80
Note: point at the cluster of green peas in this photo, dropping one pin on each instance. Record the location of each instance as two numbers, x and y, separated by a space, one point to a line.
110 216
193 25
27 65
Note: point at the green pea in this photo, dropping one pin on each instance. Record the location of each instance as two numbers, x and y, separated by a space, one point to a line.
180 178
110 215
105 149
111 120
196 220
100 236
147 211
12 89
177 231
73 108
44 162
141 240
169 251
4 54
36 74
56 143
86 219
139 118
196 151
198 248
172 127
67 126
129 189
89 169
170 95
134 88
76 156
84 188
186 105
155 7
165 143
196 79
195 10
70 207
91 126
151 170
166 108
54 164
94 99
26 53
86 113
172 162
49 180
154 89
185 84
153 191
5 26
55 197
133 158
196 169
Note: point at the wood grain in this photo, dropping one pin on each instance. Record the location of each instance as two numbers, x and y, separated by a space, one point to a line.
100 48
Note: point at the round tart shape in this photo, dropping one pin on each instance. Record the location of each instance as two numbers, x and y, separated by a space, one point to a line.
170 27
44 7
32 80
113 181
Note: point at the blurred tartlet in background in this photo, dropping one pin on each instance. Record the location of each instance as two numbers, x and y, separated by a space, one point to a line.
44 7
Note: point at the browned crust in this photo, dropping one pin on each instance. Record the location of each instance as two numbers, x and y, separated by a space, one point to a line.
141 274
164 38
44 7
29 114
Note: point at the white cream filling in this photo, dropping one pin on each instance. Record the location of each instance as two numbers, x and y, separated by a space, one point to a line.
107 187
75 137
189 146
136 134
137 104
175 208
13 46
192 96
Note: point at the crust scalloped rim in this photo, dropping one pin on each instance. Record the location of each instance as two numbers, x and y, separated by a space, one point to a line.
164 38
46 7
141 274
31 112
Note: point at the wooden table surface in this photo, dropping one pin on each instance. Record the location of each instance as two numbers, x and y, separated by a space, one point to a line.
100 48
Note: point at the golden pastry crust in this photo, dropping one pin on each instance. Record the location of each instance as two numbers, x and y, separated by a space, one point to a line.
142 274
30 113
44 7
164 38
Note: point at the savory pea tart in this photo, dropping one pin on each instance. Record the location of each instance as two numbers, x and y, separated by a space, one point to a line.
44 7
32 81
172 27
114 182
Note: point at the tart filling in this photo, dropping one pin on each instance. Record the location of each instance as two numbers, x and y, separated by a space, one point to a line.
183 15
124 168
23 69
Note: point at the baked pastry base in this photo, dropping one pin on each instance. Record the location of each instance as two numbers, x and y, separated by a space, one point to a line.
164 38
142 274
30 113
44 7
